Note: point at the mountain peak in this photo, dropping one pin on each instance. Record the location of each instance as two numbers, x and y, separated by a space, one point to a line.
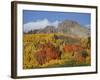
73 28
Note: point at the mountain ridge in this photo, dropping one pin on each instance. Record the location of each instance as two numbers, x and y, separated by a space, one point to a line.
66 27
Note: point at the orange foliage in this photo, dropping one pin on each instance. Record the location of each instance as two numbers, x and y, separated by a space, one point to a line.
47 53
72 48
76 50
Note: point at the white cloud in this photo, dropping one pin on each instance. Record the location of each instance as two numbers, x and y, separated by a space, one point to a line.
88 26
39 24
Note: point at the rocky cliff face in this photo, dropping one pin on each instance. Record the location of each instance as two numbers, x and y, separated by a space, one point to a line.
49 29
73 28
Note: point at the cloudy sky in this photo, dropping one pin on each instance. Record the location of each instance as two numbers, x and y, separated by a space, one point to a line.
40 19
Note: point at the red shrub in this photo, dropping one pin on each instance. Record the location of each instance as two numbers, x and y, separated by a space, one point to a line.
72 48
46 54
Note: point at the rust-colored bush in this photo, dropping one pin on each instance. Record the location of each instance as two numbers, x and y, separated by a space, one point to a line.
72 48
47 53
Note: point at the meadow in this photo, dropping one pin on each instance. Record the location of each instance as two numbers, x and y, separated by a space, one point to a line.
55 50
